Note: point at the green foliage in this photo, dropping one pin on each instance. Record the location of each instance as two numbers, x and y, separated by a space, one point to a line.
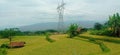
9 33
110 28
3 51
101 32
91 39
114 24
50 30
84 30
98 26
48 37
30 33
104 47
4 46
73 30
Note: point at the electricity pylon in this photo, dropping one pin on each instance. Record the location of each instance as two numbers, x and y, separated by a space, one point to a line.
60 10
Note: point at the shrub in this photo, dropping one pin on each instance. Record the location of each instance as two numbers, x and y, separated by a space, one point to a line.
83 30
98 26
72 31
48 37
104 47
3 51
4 46
91 39
101 32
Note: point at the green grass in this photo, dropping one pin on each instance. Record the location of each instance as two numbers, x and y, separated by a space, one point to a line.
38 45
67 47
32 42
112 43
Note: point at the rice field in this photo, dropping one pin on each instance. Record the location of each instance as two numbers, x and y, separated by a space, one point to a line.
38 45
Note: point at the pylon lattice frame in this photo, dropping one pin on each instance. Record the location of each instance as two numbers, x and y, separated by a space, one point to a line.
60 10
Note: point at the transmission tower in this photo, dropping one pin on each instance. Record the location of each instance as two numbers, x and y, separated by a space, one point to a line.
60 10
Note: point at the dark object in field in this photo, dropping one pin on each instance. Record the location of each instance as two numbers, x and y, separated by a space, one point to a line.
4 46
16 44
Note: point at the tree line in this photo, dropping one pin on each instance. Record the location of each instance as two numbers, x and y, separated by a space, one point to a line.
110 27
11 32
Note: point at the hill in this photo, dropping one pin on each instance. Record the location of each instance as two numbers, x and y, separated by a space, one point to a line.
54 25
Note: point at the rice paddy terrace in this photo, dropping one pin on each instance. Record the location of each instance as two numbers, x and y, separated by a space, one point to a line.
85 44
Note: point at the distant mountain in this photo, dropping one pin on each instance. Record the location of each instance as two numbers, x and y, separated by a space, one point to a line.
54 25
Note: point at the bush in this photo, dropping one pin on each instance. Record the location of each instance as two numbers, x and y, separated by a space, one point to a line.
72 31
91 39
104 47
3 51
48 37
98 26
4 46
83 30
101 32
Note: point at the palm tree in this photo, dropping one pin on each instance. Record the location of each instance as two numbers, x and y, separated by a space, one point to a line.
114 24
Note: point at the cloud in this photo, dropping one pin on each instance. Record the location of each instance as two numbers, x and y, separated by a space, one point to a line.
26 12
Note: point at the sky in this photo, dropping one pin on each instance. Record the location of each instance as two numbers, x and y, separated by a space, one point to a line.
26 12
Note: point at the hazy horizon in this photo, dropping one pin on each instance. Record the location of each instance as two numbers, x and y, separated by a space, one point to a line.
14 13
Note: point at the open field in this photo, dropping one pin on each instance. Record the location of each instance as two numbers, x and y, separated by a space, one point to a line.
38 45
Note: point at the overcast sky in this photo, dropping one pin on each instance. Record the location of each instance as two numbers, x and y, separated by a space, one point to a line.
26 12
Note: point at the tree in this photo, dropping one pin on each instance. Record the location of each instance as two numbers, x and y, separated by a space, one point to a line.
114 24
98 26
72 31
9 33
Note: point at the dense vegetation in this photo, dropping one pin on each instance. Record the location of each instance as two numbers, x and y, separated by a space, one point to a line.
9 33
3 51
16 32
114 24
110 28
73 30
